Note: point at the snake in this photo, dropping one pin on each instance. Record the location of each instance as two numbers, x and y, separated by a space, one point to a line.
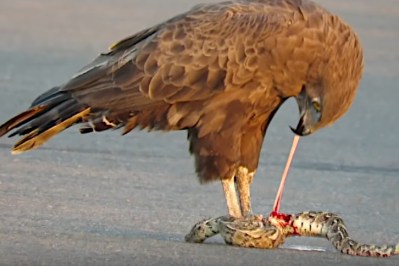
257 232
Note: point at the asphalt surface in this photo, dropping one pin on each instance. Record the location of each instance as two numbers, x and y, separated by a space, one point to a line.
102 199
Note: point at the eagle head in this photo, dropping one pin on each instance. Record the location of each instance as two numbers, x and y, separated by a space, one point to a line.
331 85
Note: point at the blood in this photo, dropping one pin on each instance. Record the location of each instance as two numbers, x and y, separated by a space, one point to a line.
279 195
285 220
281 216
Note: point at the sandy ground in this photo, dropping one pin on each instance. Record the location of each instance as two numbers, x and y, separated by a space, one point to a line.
109 200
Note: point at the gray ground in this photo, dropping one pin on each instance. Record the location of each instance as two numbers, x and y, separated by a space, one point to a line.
109 200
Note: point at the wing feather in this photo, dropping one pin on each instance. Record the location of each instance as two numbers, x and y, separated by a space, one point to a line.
191 57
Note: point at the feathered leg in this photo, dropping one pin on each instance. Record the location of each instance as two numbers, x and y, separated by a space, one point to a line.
231 197
243 182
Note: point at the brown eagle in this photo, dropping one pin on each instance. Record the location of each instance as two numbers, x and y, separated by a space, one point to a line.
219 71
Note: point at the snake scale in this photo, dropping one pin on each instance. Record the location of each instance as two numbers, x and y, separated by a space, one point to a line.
271 232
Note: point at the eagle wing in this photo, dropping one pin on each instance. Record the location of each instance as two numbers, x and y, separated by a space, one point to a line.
190 58
185 72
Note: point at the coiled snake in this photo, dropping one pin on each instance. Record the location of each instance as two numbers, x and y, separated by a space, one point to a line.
271 232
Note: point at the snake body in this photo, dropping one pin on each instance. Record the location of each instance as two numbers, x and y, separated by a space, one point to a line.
271 232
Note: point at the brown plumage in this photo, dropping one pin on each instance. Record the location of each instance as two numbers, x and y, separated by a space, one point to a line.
219 71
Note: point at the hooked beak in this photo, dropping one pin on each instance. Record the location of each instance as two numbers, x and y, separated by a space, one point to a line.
300 129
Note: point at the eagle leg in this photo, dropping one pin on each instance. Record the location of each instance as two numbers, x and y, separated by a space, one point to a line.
243 182
231 197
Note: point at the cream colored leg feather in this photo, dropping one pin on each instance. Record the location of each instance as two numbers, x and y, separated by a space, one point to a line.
243 183
231 197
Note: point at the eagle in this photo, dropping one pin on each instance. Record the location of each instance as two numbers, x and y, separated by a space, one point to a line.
219 71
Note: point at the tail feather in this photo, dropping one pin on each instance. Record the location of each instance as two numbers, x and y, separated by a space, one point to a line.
45 119
51 113
36 138
49 96
21 119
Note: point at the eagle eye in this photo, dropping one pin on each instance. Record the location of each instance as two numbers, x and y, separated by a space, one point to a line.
316 105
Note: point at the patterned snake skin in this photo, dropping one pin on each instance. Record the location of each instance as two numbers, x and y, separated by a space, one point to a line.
259 232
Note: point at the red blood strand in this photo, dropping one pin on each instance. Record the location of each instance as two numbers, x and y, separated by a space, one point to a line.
279 195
